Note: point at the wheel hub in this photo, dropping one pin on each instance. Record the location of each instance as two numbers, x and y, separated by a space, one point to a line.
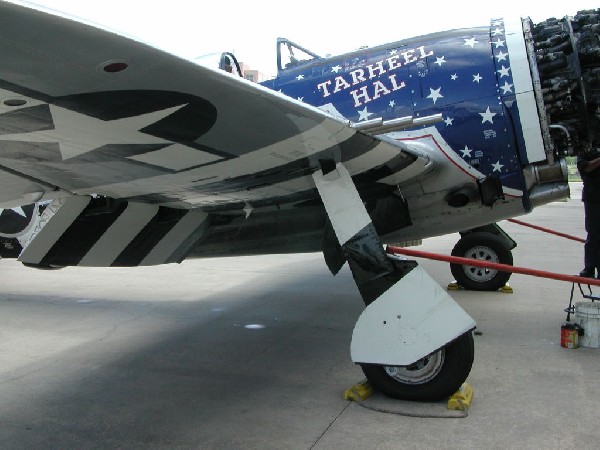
481 274
420 372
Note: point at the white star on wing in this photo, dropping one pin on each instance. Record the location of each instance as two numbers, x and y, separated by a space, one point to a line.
77 133
499 43
18 210
466 151
503 71
501 56
497 31
448 121
18 101
487 116
435 94
454 77
392 103
440 60
364 114
470 42
507 88
336 69
497 167
477 78
300 77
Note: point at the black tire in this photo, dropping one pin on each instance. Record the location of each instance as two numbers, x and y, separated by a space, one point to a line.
417 384
486 247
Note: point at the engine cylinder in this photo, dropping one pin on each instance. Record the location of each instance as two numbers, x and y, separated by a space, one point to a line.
568 60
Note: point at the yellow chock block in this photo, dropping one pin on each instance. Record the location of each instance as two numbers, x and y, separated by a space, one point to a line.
359 392
461 399
453 286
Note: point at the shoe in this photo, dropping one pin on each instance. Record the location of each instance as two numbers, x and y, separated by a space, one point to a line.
587 273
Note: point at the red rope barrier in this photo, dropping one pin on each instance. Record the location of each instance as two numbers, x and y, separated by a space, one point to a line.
494 266
546 230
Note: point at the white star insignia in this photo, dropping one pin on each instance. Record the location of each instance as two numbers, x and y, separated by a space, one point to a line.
454 77
487 116
448 121
470 42
501 56
18 210
435 94
440 60
364 114
507 88
497 31
19 101
77 133
336 69
392 103
466 151
300 77
393 52
499 43
477 78
503 71
497 167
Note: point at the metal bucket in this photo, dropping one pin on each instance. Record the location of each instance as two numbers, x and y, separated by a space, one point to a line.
587 315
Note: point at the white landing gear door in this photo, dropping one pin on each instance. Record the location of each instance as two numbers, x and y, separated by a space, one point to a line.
412 319
408 315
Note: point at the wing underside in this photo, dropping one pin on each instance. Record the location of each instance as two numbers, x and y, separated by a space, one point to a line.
161 130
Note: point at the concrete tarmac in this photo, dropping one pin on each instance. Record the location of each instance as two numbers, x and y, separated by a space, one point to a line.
253 353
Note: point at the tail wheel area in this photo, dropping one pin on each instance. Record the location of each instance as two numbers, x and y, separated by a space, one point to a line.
435 377
484 247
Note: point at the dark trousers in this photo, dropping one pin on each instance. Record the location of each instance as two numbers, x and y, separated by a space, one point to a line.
592 243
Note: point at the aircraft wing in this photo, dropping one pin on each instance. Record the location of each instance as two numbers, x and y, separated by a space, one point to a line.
138 149
87 111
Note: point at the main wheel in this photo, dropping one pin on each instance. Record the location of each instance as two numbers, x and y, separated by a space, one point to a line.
432 378
484 247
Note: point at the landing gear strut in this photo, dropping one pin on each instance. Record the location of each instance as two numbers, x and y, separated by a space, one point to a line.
412 340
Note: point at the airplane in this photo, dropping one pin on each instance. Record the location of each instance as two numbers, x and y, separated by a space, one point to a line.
117 154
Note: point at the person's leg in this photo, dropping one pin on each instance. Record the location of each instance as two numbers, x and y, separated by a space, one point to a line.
592 243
